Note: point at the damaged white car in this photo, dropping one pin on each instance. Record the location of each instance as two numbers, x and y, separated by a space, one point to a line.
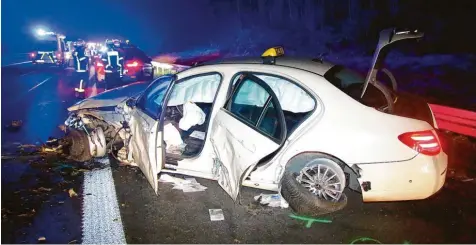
304 127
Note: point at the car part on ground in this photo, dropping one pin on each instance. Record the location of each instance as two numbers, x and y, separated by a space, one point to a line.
78 147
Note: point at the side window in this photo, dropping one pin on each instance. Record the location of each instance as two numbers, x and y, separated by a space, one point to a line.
253 104
269 122
152 100
248 101
296 103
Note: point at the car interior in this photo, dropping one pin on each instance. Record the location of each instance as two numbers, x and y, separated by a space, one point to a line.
193 138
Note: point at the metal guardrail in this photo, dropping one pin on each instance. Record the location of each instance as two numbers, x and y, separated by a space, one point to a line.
455 120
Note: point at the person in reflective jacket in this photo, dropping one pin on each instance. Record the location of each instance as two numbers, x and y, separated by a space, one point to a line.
80 59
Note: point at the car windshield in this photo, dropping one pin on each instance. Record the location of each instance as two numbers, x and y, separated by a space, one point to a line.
152 99
343 78
351 83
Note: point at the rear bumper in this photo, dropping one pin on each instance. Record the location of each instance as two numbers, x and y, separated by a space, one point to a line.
415 179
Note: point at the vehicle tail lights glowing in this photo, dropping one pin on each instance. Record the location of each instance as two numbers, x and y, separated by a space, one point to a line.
32 55
132 64
99 64
425 142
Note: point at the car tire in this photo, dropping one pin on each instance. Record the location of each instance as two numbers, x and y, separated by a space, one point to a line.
302 200
78 146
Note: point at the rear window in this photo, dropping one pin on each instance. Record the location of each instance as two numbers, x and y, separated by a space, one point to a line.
135 53
351 83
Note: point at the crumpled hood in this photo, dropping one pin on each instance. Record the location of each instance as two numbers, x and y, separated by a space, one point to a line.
111 97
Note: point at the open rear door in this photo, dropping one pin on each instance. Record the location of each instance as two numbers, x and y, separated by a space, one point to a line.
250 127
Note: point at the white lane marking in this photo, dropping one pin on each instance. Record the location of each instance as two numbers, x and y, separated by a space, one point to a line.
102 223
26 73
36 86
19 63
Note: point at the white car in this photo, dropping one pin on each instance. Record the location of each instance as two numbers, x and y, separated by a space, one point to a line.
298 126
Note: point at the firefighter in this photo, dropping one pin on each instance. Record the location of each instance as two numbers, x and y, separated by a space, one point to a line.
81 62
80 59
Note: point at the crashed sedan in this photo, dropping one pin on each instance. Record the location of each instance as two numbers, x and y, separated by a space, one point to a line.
304 127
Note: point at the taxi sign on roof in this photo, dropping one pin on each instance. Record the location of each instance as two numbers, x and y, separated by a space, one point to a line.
273 52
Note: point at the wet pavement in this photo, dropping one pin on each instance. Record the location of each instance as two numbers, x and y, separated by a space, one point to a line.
36 201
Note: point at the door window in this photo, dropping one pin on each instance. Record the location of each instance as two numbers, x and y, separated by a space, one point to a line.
151 101
254 103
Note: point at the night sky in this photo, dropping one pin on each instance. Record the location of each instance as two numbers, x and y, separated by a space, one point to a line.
163 26
153 25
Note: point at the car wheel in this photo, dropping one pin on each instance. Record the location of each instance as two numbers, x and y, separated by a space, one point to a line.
314 187
78 146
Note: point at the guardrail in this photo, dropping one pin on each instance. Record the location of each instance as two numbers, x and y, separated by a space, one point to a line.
455 120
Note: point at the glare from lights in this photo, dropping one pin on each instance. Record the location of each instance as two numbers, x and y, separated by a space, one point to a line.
41 32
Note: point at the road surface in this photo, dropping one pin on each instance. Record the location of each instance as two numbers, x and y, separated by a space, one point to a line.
36 203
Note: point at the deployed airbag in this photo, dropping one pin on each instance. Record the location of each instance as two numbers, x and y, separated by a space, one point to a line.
198 89
291 97
172 138
192 115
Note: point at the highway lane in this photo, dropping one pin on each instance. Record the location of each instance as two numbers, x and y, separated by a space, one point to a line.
34 199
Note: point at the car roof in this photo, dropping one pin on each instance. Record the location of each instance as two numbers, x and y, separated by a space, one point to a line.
316 66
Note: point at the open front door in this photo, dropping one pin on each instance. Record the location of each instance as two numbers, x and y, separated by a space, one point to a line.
145 150
250 127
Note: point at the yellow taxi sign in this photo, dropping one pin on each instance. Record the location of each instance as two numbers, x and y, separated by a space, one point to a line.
273 52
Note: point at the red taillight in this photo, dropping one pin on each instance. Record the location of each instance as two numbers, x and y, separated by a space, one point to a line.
32 54
424 142
132 64
99 64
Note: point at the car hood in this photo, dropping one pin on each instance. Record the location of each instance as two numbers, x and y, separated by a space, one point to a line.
111 97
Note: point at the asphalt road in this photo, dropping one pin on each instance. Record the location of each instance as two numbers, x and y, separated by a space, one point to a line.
36 203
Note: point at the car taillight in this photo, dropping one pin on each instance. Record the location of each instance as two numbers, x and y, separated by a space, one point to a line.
132 64
99 64
32 54
425 142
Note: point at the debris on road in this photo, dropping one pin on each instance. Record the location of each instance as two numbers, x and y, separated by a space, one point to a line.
216 214
309 220
186 185
72 193
271 200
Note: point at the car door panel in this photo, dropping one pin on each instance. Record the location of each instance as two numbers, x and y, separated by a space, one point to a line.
236 144
145 145
238 141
